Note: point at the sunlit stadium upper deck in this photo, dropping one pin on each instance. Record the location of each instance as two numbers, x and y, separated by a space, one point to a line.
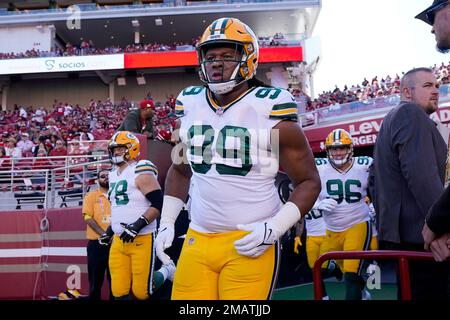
176 20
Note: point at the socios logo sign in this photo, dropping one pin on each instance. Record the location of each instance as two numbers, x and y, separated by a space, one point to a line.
71 65
49 64
52 65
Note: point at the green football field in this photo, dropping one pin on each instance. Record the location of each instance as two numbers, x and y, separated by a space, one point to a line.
335 290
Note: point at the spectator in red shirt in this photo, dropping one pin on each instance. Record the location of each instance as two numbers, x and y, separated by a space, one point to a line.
100 134
59 150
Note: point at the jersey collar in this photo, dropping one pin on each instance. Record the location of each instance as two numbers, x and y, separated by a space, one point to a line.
221 109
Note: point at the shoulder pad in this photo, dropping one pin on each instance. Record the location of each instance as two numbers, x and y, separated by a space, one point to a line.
363 161
145 166
183 96
283 105
321 161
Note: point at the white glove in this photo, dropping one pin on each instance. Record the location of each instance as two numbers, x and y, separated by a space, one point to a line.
169 213
327 204
264 234
372 211
163 241
261 237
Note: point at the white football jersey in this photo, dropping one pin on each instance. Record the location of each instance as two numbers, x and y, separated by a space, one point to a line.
229 151
349 189
127 201
314 223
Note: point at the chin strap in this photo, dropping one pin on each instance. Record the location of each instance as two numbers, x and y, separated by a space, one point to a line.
223 87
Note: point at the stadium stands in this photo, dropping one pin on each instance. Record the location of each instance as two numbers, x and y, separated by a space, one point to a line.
86 47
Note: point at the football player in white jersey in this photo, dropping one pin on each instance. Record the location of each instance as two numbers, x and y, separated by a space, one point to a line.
231 128
344 188
136 201
315 238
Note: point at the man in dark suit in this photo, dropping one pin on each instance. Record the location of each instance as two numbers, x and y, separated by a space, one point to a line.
436 231
409 170
140 120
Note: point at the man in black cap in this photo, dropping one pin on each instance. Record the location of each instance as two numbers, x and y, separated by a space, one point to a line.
436 231
438 16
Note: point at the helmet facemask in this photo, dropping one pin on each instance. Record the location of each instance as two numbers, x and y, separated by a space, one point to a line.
347 157
118 159
126 140
239 58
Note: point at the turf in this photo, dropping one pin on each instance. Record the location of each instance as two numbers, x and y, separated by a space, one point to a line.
335 290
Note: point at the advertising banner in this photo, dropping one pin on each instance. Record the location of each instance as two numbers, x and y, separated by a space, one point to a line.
62 64
189 58
364 133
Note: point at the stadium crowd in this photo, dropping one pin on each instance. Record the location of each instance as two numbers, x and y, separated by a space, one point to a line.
87 47
367 90
56 131
61 129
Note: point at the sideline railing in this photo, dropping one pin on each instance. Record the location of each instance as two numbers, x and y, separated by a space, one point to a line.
49 187
333 112
403 258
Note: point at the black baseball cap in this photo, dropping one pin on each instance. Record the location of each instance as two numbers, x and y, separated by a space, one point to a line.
427 15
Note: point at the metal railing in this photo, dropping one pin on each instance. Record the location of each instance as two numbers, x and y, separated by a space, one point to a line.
54 162
334 112
402 256
49 186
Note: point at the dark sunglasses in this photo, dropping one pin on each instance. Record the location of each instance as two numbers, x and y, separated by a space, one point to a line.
432 12
103 176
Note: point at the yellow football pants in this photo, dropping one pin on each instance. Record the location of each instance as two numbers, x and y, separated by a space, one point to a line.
313 248
131 266
355 238
210 268
374 243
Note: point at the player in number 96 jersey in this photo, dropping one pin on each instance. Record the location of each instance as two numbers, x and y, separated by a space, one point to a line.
342 200
231 248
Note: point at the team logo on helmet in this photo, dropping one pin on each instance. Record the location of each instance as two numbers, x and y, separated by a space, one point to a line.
229 31
124 139
339 138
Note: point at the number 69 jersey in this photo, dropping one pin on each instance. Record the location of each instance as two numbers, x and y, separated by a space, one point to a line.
230 154
349 189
